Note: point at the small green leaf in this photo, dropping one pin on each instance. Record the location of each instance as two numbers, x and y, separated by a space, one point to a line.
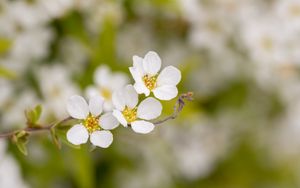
6 73
22 147
5 45
33 116
38 111
55 138
21 139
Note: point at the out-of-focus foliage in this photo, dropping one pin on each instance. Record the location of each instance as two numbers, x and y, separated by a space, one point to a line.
240 58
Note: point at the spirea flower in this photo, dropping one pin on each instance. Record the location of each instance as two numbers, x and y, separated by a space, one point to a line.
92 124
127 111
145 72
106 83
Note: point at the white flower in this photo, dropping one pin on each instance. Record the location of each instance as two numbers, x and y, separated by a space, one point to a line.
9 168
145 73
92 123
57 89
106 83
127 111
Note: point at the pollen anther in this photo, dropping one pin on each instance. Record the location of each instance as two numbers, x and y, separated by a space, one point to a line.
130 114
150 81
91 123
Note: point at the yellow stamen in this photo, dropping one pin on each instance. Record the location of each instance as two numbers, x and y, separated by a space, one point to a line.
130 114
150 81
106 93
91 123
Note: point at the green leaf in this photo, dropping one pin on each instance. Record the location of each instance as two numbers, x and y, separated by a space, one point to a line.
6 73
5 45
33 116
21 139
55 138
38 111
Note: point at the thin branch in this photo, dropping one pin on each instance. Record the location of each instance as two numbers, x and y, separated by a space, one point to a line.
35 129
180 103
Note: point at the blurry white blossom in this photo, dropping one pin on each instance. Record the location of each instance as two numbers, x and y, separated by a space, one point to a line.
14 116
106 82
10 175
56 87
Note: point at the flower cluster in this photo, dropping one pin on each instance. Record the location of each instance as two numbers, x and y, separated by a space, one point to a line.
121 102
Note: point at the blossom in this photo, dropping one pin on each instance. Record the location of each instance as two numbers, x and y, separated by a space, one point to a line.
9 167
57 89
127 111
92 124
147 79
106 83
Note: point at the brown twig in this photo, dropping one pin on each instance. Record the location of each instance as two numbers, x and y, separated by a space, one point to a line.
34 129
180 103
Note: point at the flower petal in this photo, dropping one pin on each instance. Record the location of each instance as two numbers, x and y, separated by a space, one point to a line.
91 91
102 76
77 107
120 117
143 127
77 135
169 76
102 139
118 81
135 74
118 100
149 108
108 106
138 65
166 92
151 63
96 105
141 88
108 121
131 96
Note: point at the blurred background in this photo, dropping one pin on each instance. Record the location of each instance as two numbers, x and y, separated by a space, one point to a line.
241 58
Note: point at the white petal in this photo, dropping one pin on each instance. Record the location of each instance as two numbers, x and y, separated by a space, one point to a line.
108 121
169 76
120 117
118 100
77 107
138 65
96 105
77 135
143 127
91 91
151 63
131 96
141 88
102 76
135 74
118 81
101 138
166 92
108 106
149 108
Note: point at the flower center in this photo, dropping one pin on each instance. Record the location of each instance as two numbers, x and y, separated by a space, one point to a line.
150 81
91 123
130 114
106 93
